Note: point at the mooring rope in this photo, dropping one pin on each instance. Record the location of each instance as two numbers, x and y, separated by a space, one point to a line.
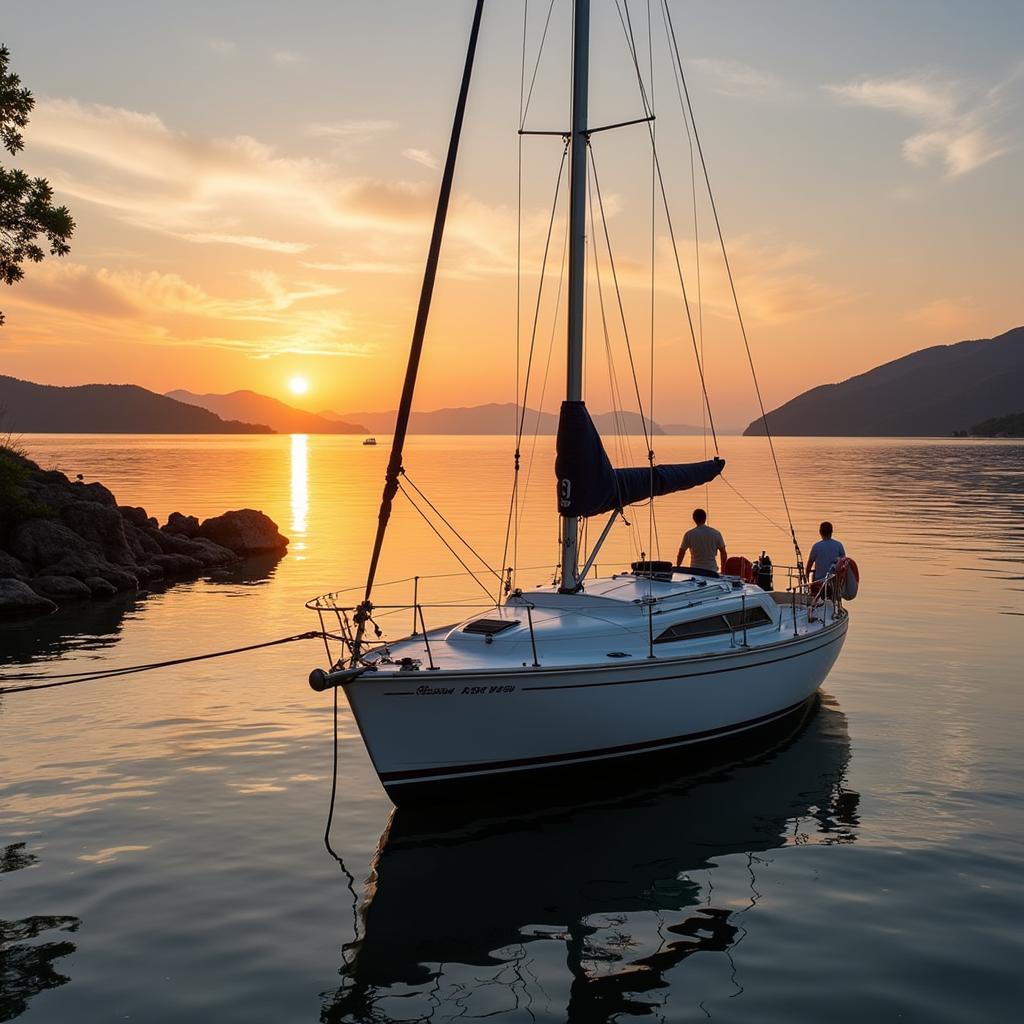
69 678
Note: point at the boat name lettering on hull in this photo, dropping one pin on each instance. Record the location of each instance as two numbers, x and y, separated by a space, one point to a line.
447 691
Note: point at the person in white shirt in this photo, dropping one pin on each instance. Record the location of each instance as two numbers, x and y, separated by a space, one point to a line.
704 543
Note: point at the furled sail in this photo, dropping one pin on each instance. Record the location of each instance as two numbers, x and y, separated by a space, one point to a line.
588 484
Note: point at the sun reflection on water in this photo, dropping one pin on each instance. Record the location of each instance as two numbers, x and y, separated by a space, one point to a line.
300 484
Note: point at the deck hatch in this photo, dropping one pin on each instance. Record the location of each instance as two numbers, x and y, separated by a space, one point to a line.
715 625
752 615
488 627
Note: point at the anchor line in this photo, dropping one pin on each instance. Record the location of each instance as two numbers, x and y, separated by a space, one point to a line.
69 678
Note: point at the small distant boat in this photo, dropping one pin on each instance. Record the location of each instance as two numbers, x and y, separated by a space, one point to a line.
370 440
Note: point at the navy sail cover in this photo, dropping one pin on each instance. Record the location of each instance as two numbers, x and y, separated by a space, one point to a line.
588 484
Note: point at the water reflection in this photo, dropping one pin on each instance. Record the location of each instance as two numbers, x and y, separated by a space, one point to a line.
300 483
89 626
465 916
26 967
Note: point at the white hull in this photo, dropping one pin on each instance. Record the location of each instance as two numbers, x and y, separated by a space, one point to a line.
429 730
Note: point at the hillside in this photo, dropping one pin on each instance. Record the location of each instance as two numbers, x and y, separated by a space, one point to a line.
256 408
1000 426
27 408
933 392
494 418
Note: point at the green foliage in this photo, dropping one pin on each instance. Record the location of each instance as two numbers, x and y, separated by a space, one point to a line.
16 503
1001 426
29 221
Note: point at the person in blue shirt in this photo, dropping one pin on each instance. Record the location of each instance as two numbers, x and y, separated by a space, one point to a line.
825 553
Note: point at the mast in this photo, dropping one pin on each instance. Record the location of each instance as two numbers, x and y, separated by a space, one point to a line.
395 470
577 251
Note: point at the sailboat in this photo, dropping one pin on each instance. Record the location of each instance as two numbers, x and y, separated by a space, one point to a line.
587 672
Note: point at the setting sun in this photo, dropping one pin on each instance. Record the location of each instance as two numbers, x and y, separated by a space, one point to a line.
298 385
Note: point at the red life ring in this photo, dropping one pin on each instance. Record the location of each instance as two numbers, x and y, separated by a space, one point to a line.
847 578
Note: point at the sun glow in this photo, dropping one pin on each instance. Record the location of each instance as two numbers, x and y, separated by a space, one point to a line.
298 385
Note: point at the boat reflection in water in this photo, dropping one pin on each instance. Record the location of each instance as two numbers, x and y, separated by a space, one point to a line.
454 915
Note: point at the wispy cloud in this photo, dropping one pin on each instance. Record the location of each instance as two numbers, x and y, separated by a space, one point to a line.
221 47
945 314
246 241
960 126
365 267
737 80
353 129
272 317
421 156
287 58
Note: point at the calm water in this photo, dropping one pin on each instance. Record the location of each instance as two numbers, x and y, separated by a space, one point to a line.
163 832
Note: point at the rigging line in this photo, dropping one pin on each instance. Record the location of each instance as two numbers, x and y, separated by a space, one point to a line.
513 516
696 233
618 298
544 384
627 28
616 395
778 526
653 540
686 301
469 547
630 42
514 496
69 678
444 541
540 291
524 110
732 283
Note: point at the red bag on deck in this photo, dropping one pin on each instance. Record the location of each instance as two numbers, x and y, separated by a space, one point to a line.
737 565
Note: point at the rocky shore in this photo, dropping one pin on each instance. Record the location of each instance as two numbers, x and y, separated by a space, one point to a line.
65 540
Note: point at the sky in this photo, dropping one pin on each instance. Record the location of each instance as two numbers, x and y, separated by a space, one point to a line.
254 182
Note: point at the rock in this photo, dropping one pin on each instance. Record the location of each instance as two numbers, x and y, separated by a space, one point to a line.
83 563
245 532
183 526
142 540
208 553
178 565
11 568
120 578
101 524
134 514
99 587
74 541
51 488
61 588
94 492
170 543
42 542
18 598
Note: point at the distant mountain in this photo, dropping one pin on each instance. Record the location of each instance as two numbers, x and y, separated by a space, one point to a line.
931 393
256 408
27 408
1000 426
495 418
